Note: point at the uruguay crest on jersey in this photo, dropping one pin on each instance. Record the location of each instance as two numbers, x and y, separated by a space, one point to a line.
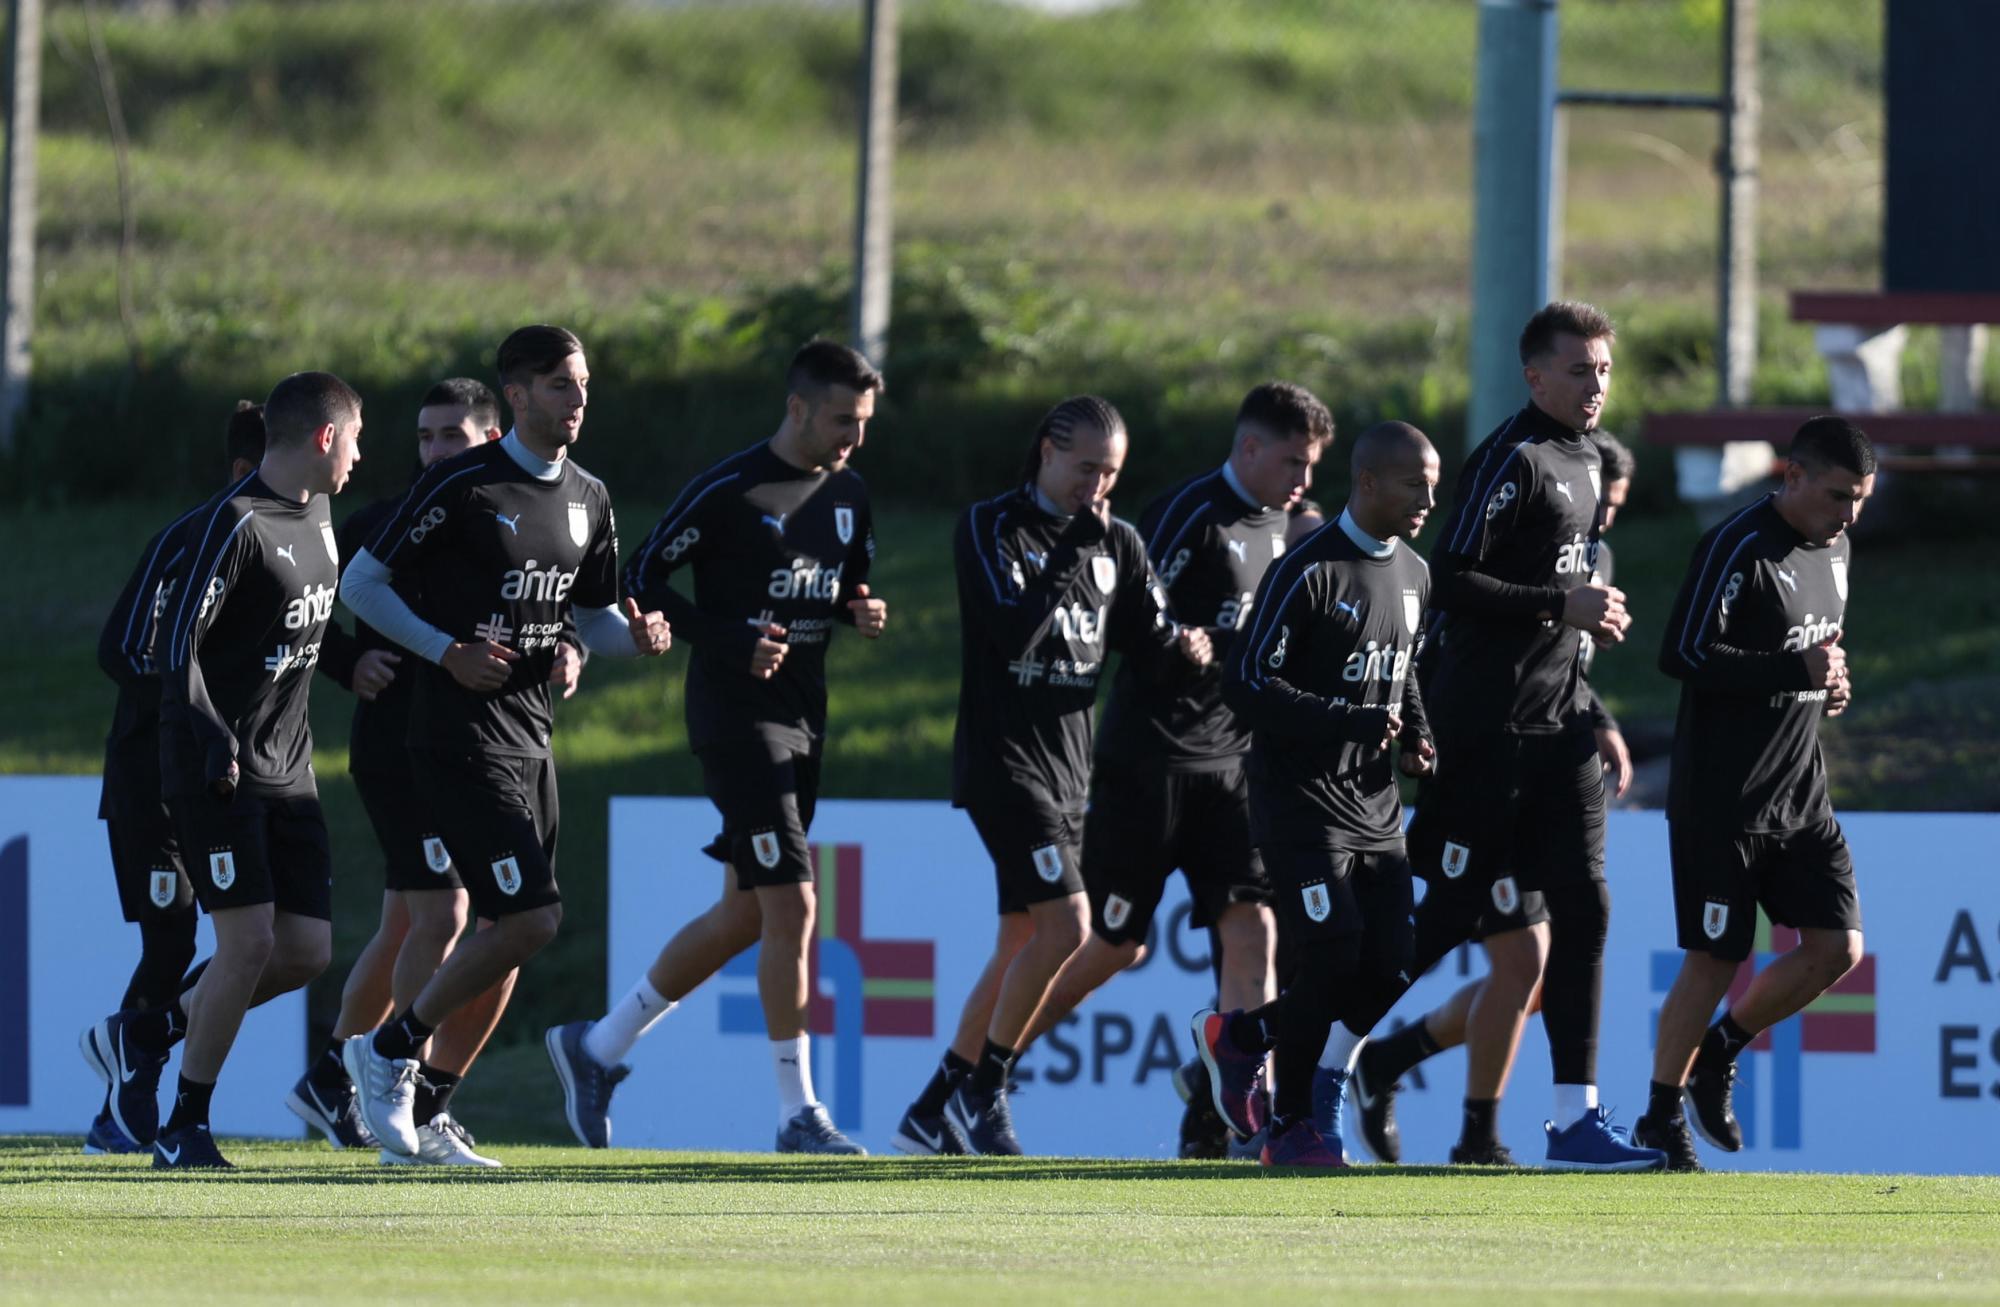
1839 566
1413 610
1104 571
333 549
579 524
843 522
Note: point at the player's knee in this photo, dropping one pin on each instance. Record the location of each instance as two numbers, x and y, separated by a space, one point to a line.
434 916
1516 958
1061 926
1835 953
530 932
1583 906
1248 935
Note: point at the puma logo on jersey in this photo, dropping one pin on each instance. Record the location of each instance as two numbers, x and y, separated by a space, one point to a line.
511 523
534 582
1238 550
1372 662
1563 487
285 552
1809 633
777 522
1352 609
1789 578
310 608
1578 556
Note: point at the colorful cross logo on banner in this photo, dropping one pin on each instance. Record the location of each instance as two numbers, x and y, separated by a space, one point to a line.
858 987
1842 1020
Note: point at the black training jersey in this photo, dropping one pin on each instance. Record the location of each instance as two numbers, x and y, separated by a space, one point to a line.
1041 599
1521 536
125 654
1210 549
238 642
495 553
1329 654
378 740
767 543
1746 745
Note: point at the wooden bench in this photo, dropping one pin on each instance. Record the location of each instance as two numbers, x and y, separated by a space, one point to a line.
1969 431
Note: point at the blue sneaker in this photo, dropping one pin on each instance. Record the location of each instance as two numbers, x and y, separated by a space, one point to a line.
1594 1144
131 1071
586 1083
1329 1088
106 1137
1234 1074
811 1130
1302 1144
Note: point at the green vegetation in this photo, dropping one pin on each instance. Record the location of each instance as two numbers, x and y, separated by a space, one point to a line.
298 1223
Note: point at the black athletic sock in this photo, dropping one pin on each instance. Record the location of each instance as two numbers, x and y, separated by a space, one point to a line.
1295 1061
1480 1114
1725 1039
1253 1031
177 1021
990 1073
328 1072
946 1078
1391 1057
402 1037
1663 1102
435 1087
190 1105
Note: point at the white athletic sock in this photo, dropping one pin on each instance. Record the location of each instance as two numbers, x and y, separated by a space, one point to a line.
1572 1102
1342 1047
612 1037
792 1059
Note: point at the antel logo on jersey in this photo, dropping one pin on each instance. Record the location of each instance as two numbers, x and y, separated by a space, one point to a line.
426 524
1456 856
507 875
311 608
1575 557
1371 662
534 582
1078 624
222 869
805 579
1048 863
1809 633
1236 611
1501 498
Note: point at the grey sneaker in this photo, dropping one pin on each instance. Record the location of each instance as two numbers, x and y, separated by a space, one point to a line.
441 1141
811 1130
385 1094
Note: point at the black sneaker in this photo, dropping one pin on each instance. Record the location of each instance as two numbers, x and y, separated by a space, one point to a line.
1708 1093
134 1076
1490 1153
333 1114
190 1148
933 1135
1203 1135
1375 1105
1670 1137
985 1120
586 1085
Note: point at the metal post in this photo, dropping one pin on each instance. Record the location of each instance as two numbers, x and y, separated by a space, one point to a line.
874 247
1736 166
23 128
1513 126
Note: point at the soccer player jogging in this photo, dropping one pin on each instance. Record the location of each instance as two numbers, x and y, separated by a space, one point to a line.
1324 678
779 538
236 649
1168 787
1048 583
424 904
1754 640
154 892
504 545
1383 1062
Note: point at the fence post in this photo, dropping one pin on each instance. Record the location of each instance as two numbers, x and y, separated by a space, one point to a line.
1513 126
874 243
1737 164
24 34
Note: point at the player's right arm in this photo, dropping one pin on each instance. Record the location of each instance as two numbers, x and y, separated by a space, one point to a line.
1007 601
220 548
1703 641
125 644
1255 685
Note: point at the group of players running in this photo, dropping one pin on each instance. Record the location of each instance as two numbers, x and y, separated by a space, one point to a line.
1277 672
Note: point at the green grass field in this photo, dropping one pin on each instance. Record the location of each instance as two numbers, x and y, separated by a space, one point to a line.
296 1223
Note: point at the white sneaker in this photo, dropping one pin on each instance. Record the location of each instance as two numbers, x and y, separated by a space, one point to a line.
385 1093
441 1141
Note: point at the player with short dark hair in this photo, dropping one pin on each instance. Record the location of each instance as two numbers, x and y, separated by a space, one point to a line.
1382 1063
1168 788
239 643
1048 583
1754 640
505 545
779 539
154 891
424 903
1325 679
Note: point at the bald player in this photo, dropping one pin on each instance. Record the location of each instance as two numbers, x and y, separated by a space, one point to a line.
1324 679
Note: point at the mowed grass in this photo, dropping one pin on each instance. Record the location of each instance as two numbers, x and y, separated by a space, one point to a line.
297 1223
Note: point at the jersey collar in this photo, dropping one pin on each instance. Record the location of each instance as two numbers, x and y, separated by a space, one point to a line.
1366 543
1236 484
1046 504
541 469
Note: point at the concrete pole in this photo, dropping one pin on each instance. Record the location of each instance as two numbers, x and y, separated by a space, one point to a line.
874 245
23 129
1512 137
1737 164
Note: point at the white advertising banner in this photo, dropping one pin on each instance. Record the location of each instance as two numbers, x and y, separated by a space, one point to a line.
1898 1069
66 954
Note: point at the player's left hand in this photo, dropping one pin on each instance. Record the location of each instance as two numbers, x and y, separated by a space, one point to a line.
1195 645
372 673
1838 696
1419 759
650 633
567 669
870 614
1617 759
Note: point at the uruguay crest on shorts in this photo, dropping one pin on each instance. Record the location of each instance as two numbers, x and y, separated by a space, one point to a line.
1104 571
843 522
1714 919
507 875
1455 858
764 847
436 857
162 887
1319 904
1506 896
1117 911
222 869
1049 864
579 524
